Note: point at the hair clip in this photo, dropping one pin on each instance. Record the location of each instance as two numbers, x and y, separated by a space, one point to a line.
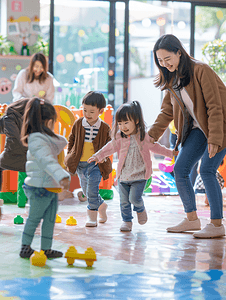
42 101
134 103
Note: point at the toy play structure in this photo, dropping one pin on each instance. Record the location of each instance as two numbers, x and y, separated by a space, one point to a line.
12 181
162 182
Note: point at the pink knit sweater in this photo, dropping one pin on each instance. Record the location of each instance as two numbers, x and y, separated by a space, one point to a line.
23 89
121 146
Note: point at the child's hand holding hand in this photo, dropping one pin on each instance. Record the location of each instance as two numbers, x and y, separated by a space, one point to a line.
91 159
175 153
152 140
65 183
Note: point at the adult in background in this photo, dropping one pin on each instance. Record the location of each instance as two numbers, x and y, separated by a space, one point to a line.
34 81
196 100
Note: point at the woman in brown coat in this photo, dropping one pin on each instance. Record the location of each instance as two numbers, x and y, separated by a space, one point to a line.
195 99
13 156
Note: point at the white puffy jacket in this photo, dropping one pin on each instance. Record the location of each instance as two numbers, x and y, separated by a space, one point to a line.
42 167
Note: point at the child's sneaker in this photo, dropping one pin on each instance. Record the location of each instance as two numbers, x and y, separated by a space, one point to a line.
142 217
91 218
126 226
26 251
81 197
53 253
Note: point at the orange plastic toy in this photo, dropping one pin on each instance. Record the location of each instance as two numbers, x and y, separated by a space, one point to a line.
222 171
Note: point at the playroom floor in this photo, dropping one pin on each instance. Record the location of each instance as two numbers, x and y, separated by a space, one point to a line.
147 263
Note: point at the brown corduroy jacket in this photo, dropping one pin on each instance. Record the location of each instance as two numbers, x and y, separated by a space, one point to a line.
76 143
208 94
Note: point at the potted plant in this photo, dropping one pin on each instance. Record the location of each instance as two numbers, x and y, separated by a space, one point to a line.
6 47
40 46
215 53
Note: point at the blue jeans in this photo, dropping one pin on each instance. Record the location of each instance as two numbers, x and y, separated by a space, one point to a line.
43 205
194 148
90 177
131 192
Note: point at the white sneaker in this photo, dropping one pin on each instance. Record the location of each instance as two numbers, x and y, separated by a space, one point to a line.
102 212
185 225
210 231
126 226
91 218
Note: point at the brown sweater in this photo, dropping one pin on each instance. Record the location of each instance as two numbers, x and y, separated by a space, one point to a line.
75 147
208 94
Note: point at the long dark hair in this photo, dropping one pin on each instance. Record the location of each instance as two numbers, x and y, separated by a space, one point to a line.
18 105
37 113
30 74
184 73
133 112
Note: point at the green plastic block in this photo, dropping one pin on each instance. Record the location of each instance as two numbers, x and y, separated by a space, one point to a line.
106 194
9 197
18 220
21 197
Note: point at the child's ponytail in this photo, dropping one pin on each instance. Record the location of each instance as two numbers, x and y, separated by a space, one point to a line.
37 113
139 118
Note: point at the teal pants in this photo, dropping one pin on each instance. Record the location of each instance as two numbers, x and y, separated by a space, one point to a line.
43 205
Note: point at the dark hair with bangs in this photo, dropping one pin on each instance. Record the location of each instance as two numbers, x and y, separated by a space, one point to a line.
184 73
95 99
133 112
37 112
30 74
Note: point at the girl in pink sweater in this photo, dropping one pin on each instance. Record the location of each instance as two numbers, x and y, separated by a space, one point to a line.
132 144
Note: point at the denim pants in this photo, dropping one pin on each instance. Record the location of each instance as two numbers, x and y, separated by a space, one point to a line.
194 148
43 205
90 177
130 192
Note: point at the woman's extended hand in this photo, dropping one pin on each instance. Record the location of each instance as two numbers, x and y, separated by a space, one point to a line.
212 149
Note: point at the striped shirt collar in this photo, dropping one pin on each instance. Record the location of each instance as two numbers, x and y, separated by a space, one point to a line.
86 124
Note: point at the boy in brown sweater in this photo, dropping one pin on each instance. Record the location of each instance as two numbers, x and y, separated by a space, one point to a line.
88 135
